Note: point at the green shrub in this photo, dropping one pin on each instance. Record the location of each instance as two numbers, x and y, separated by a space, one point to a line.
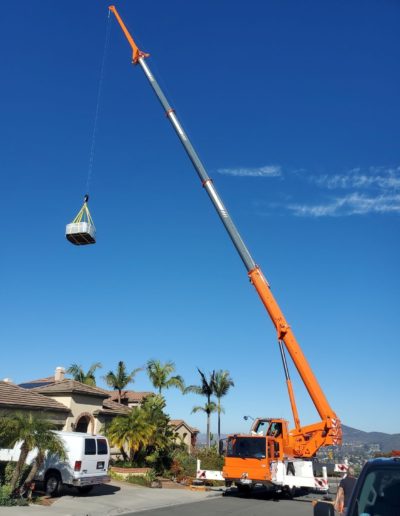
183 465
6 500
141 480
5 496
9 470
210 458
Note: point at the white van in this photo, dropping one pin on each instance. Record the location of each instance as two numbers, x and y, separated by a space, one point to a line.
85 466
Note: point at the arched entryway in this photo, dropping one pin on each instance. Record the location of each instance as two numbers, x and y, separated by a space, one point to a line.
84 423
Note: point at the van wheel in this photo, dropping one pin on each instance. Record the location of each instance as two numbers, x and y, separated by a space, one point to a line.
53 484
84 489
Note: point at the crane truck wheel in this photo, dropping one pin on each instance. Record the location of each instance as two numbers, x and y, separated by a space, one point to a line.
244 490
290 492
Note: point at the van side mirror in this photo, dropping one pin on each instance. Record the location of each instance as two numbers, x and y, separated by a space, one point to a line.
324 509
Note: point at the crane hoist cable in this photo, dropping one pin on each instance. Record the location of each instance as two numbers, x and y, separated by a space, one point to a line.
81 231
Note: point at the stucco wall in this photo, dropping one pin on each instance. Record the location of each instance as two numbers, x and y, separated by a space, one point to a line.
81 405
185 436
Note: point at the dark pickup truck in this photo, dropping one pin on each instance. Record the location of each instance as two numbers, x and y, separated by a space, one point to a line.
376 493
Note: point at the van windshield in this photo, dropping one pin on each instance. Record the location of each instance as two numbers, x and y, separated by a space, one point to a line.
246 447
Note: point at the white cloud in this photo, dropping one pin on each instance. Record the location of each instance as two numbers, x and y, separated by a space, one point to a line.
266 171
373 190
375 177
351 204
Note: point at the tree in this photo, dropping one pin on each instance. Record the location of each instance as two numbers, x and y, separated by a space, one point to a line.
129 433
34 432
209 408
221 384
144 436
205 389
79 375
160 375
121 378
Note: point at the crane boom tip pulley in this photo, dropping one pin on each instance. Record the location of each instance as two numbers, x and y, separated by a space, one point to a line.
136 52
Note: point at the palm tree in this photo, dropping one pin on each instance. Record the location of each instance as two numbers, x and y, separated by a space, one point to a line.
144 436
34 432
121 378
209 408
130 433
221 385
160 375
79 375
205 389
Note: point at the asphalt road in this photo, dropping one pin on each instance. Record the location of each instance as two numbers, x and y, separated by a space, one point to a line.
260 504
124 499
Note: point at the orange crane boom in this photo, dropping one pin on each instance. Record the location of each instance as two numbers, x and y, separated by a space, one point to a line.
303 441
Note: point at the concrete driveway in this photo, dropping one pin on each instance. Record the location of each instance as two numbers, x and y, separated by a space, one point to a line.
112 499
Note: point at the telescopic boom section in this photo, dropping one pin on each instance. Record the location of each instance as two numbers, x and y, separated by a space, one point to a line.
284 332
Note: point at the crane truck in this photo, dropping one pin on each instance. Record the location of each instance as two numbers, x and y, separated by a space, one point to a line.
271 454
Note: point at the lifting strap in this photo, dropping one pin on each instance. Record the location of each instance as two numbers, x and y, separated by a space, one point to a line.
84 213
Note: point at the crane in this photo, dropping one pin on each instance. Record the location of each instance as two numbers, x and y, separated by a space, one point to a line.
279 445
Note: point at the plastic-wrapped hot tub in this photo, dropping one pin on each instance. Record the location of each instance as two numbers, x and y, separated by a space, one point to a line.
81 233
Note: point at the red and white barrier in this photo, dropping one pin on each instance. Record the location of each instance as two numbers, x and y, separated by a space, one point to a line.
207 474
342 468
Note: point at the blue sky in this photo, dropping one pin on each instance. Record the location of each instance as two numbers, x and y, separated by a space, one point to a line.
293 107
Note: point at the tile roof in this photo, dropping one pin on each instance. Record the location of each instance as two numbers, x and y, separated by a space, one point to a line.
178 422
70 386
113 408
129 396
13 396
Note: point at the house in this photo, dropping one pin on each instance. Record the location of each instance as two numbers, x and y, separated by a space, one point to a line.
74 406
16 399
90 408
130 399
186 434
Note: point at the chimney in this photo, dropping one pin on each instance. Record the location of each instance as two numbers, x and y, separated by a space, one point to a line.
59 374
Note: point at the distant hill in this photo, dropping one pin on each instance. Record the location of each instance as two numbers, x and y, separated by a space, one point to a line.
387 442
351 436
201 438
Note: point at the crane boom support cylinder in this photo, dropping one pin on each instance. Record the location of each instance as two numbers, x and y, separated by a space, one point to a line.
285 333
201 171
289 387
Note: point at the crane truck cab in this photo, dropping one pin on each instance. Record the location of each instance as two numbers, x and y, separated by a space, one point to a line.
266 457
